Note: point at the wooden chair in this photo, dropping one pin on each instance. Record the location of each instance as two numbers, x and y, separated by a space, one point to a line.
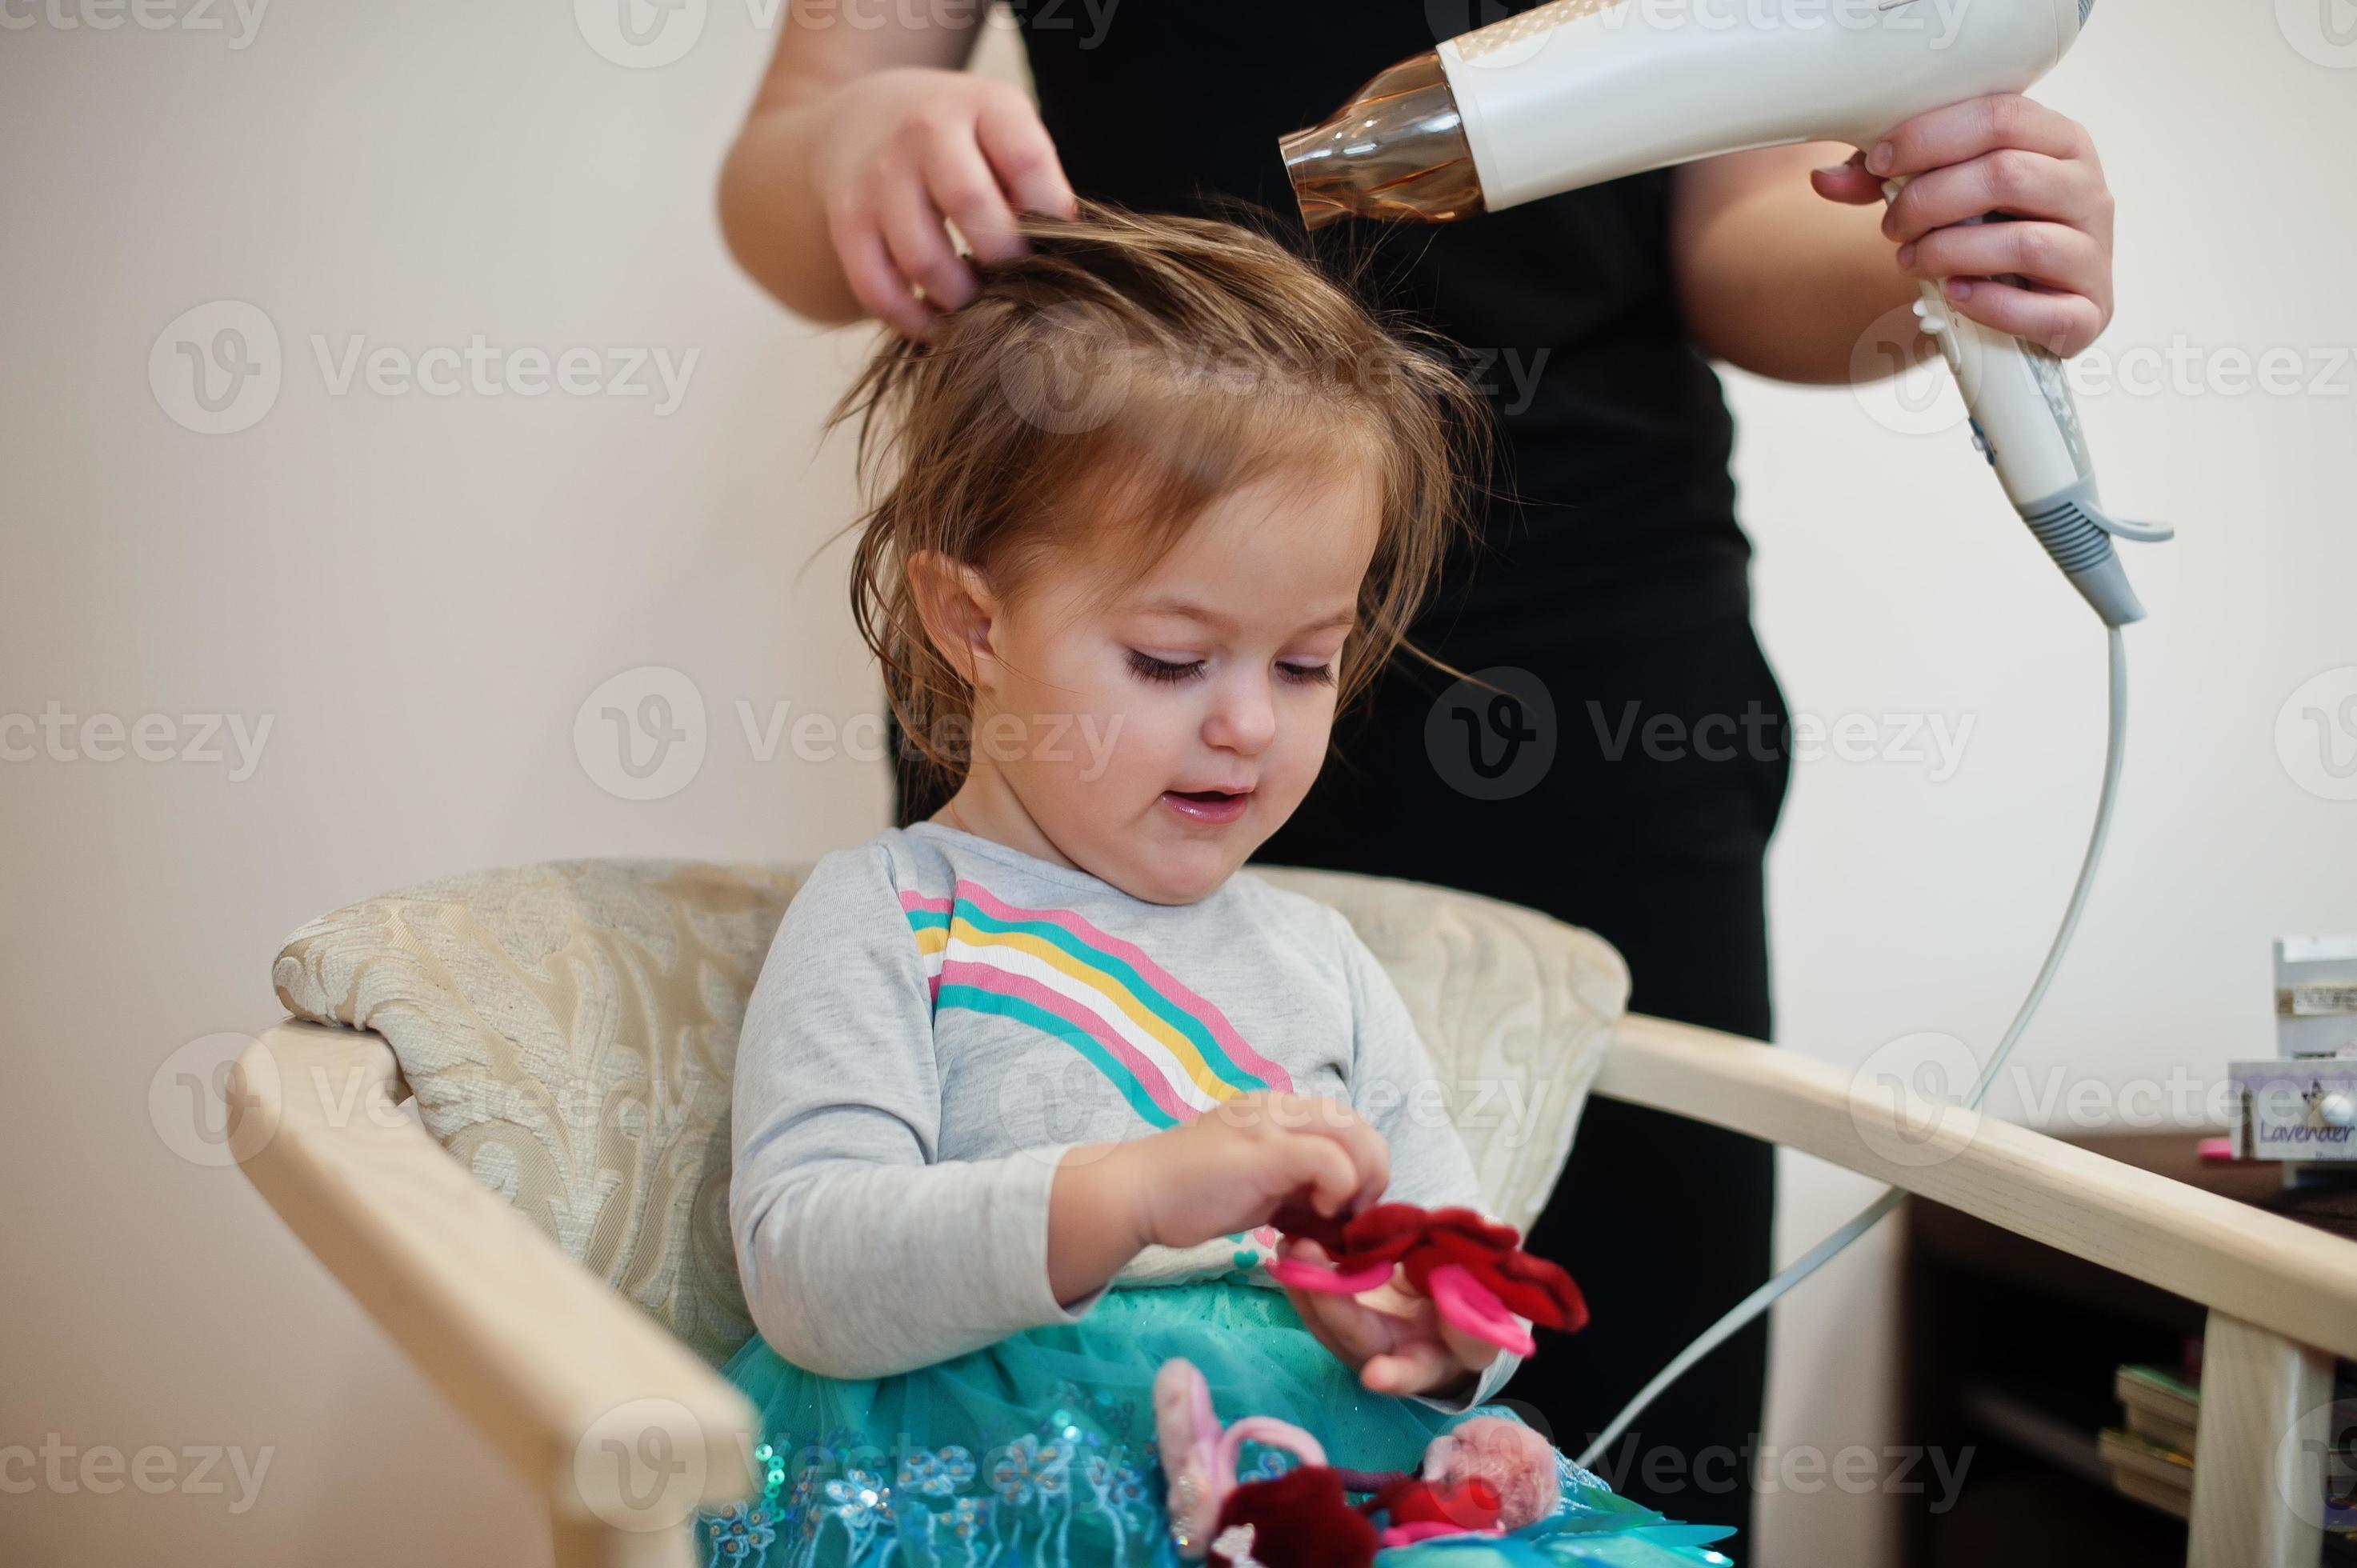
592 1368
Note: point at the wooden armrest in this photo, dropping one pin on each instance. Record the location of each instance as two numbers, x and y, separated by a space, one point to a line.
615 1420
2259 1267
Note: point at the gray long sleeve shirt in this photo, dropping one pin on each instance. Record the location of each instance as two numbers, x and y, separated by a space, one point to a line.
942 1016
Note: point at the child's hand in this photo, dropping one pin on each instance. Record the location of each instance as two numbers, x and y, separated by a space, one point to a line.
1229 1169
1391 1336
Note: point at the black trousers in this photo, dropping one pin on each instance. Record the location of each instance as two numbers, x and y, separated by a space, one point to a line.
1629 786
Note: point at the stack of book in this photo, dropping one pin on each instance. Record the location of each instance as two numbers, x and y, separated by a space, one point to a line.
2150 1453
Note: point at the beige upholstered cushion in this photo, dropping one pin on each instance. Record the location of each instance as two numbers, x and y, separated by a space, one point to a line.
569 1029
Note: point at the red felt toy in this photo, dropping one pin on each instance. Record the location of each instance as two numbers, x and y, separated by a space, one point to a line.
1474 1270
1298 1520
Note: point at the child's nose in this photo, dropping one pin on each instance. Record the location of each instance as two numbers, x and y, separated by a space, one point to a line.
1242 718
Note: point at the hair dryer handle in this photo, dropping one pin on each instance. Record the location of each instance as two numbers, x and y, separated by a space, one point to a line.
2026 423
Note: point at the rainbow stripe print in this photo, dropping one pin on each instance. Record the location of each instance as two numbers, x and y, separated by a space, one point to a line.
1170 1053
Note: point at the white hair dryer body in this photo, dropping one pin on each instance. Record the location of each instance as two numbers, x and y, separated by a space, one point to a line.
1578 92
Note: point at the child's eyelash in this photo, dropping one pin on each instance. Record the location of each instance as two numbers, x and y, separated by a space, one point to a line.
1152 669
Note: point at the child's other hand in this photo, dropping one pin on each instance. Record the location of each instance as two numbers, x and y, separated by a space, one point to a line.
1391 1336
1229 1169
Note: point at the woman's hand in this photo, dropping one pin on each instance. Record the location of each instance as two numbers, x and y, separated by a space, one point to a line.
1392 1335
2003 155
909 147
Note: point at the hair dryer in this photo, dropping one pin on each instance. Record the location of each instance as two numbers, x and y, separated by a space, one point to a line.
1578 92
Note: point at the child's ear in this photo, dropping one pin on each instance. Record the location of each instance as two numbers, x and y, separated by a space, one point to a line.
958 608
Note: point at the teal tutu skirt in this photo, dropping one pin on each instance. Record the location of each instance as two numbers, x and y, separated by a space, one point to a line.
1040 1450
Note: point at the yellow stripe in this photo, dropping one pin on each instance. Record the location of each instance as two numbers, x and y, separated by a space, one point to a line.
1189 1055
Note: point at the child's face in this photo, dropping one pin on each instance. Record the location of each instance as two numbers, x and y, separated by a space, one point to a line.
1196 708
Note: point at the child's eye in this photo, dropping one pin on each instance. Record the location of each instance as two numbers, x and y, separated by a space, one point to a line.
1152 669
1308 674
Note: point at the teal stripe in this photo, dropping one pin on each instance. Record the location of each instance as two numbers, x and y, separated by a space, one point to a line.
928 919
1169 1012
973 999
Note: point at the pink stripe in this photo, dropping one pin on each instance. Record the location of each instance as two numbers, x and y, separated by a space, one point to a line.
1211 1017
915 901
989 977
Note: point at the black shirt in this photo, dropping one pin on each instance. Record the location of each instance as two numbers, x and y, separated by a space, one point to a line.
1615 515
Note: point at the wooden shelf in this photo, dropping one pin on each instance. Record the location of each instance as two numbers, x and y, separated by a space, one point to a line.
2011 1348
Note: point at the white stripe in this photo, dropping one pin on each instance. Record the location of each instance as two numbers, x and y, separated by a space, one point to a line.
1030 966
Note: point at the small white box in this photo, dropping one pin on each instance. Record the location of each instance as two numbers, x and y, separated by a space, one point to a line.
2315 995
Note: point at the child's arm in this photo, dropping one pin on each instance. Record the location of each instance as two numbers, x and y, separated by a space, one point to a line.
860 1255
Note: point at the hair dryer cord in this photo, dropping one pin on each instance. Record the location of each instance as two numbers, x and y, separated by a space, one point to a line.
1760 1300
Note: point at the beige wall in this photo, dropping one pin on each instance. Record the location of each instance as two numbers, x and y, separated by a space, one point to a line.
419 591
419 594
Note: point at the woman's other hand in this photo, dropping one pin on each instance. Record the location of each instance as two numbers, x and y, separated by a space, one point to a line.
2010 156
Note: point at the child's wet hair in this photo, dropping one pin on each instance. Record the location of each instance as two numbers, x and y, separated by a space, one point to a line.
1126 373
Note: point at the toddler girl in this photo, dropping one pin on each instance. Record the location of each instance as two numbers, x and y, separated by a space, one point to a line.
1021 1085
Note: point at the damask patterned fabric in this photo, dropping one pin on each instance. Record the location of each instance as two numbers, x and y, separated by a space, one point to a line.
569 1030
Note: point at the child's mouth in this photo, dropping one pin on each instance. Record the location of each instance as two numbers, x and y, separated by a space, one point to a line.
1212 806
